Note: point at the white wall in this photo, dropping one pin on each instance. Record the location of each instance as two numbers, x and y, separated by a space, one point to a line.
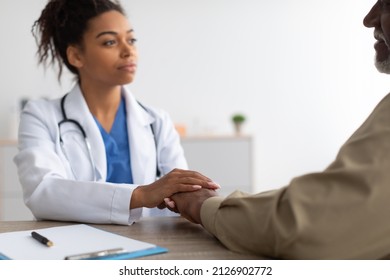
302 71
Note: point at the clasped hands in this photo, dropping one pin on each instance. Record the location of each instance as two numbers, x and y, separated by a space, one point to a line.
181 191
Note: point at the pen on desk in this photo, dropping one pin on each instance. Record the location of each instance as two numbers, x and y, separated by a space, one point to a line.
41 239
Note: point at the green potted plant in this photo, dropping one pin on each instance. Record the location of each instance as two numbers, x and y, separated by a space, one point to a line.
238 120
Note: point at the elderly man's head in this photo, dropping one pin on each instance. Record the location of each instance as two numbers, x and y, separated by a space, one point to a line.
379 19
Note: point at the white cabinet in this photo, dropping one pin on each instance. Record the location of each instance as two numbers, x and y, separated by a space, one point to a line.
12 207
226 160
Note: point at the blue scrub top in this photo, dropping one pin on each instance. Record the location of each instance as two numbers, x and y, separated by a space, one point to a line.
117 148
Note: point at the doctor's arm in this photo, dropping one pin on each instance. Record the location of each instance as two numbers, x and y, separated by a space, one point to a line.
51 192
49 189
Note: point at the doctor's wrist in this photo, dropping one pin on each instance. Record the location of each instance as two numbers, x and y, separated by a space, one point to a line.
137 198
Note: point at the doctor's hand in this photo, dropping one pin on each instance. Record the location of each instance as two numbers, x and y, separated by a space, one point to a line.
176 181
189 204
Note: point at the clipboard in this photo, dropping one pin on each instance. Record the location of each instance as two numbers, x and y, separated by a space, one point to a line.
81 240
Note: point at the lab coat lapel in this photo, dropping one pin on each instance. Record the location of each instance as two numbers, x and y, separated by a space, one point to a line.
141 139
76 108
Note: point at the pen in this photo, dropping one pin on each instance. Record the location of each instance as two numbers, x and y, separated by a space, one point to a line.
41 239
96 255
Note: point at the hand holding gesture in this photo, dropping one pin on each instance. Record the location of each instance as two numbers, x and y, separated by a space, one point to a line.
176 181
189 204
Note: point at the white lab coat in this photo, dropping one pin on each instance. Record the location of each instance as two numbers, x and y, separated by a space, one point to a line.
47 176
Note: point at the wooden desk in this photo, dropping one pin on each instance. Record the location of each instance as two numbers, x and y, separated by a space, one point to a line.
184 240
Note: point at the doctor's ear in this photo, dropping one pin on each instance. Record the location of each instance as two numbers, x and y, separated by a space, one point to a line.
73 54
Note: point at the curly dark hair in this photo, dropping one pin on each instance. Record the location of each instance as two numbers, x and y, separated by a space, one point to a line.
63 23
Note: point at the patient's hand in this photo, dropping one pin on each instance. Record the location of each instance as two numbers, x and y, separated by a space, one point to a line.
188 204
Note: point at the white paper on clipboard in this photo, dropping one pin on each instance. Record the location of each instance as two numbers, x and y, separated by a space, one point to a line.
68 240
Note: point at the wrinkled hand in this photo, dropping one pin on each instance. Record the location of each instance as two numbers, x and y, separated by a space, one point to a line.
189 204
176 181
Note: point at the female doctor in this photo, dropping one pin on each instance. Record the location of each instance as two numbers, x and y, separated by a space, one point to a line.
94 155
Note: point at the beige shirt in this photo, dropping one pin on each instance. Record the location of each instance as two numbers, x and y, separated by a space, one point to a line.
340 213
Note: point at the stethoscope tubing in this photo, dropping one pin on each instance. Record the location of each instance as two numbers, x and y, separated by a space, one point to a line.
65 119
78 125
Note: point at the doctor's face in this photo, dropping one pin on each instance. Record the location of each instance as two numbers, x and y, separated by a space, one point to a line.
379 19
108 55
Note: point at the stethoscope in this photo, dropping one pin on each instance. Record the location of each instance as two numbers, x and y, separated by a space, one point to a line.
87 143
81 129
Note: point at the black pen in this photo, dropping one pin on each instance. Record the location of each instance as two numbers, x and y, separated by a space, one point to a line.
41 239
